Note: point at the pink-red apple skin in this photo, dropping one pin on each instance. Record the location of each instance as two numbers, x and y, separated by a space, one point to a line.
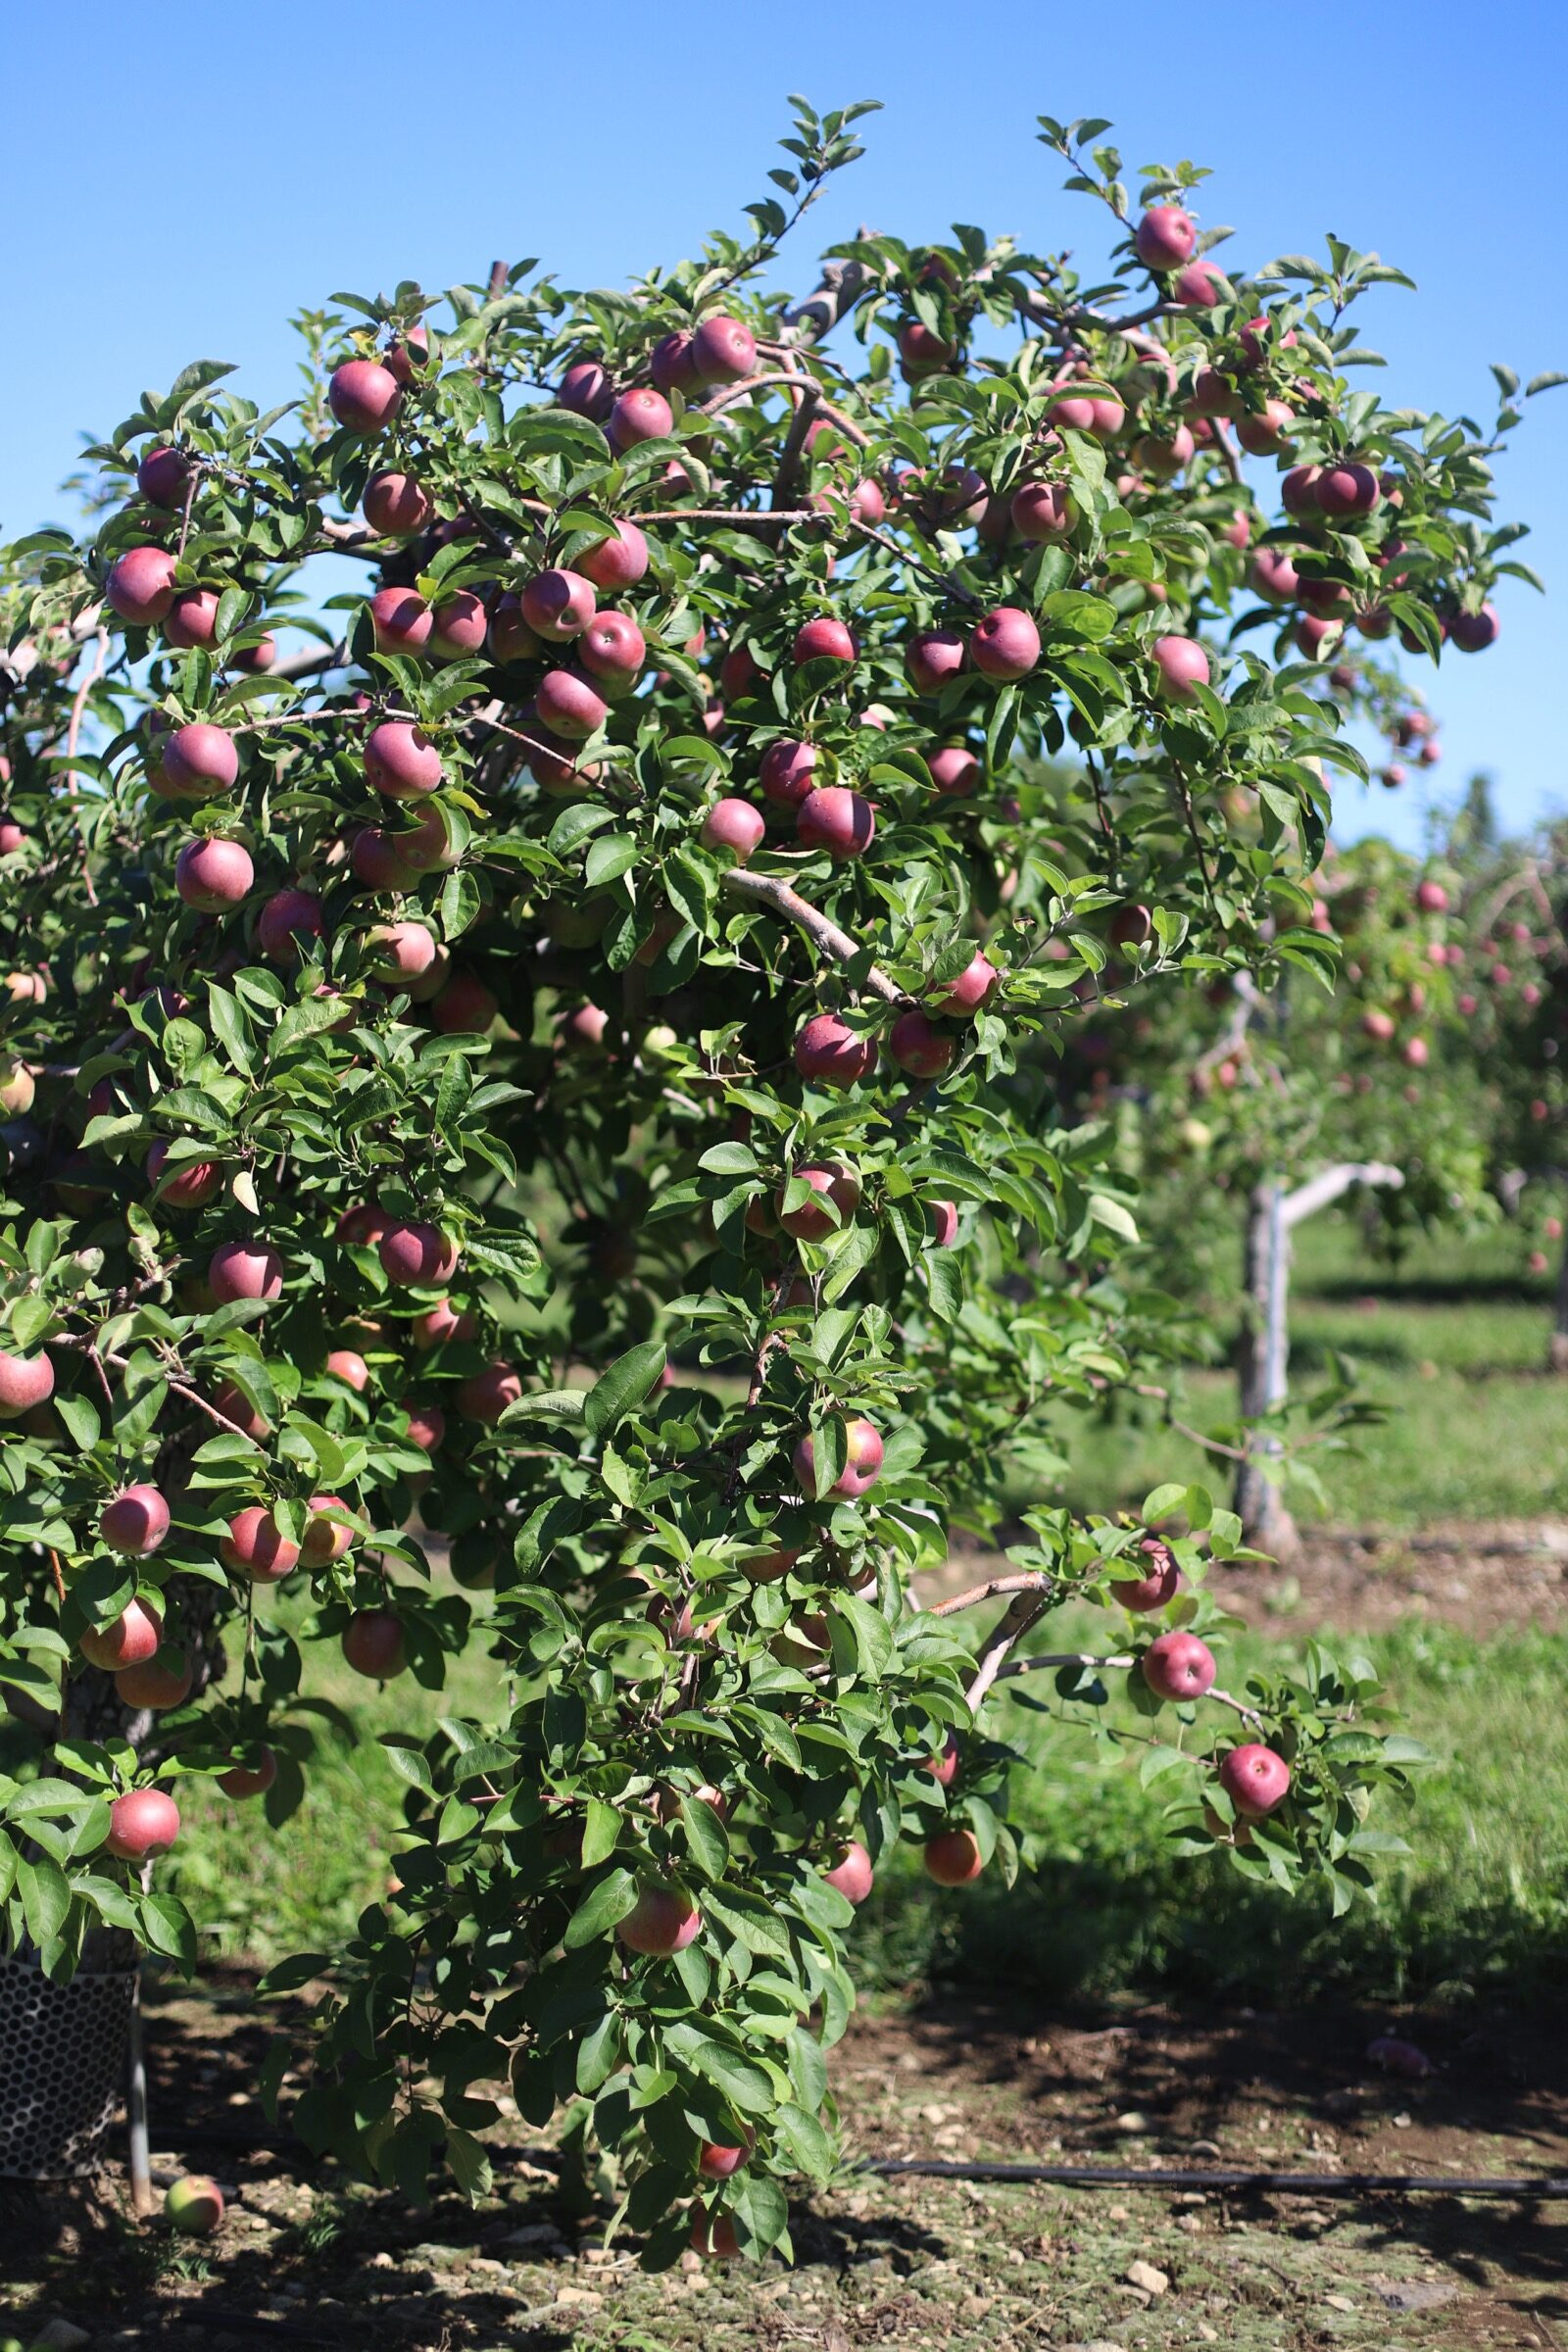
1255 1780
953 1857
372 1644
135 1522
129 1639
660 1921
143 1823
852 1873
1179 1666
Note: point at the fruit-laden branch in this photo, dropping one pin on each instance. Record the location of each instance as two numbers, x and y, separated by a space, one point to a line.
181 1388
1024 1611
842 284
1307 1198
770 892
1041 1661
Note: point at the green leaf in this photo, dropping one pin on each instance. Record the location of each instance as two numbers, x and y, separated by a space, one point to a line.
550 1405
45 1897
627 1382
603 1905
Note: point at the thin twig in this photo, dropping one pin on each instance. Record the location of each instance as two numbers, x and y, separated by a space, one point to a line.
769 891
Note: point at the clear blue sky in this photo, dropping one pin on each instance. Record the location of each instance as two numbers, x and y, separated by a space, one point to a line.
178 182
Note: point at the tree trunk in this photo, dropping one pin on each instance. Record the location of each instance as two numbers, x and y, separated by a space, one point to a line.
1264 1358
1557 1345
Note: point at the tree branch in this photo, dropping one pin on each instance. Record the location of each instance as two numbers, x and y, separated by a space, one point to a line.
1307 1198
770 892
1025 1611
1030 1580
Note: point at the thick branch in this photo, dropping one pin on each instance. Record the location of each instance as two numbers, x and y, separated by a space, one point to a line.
1307 1198
1032 1579
1024 1611
769 891
842 284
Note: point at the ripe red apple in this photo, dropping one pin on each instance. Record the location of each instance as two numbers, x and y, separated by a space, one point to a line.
193 619
372 1644
922 350
1004 642
1043 511
963 996
1179 1666
1199 286
510 638
426 1427
442 1322
326 1539
134 1522
1164 454
1263 434
1160 1582
396 505
1417 1052
25 1381
417 1254
662 1920
582 1030
244 1270
568 705
917 1047
243 1781
1273 576
1255 1780
832 1181
238 1408
12 839
942 1218
1299 490
1378 1026
485 1395
1182 666
715 2237
724 349
823 640
1166 237
943 1769
143 1823
400 620
164 476
1347 490
612 649
836 820
397 954
852 1872
1431 897
641 415
256 1546
1473 632
953 1857
343 1363
128 1639
719 2163
559 604
862 1460
213 874
587 391
955 770
788 767
619 562
363 396
199 761
829 1052
157 1686
735 825
194 2205
934 656
140 586
289 916
401 760
464 1006
458 626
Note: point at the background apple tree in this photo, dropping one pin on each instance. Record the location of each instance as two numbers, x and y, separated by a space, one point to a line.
539 950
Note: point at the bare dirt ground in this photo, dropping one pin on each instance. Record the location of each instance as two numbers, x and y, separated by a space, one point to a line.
306 2257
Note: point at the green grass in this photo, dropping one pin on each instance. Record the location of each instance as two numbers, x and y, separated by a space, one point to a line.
1450 1345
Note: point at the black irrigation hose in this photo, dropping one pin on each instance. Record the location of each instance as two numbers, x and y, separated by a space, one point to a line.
1315 2184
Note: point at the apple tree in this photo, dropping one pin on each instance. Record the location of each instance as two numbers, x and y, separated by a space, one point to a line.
537 944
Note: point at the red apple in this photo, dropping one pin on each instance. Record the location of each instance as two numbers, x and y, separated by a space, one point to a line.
831 1181
836 820
396 506
863 1461
464 1006
344 1364
1473 632
787 769
363 396
852 1872
288 917
244 1270
1347 490
568 705
372 1644
157 1686
1255 1780
823 640
972 989
134 1522
829 1052
199 761
934 656
458 626
917 1047
140 586
193 619
401 760
417 1254
143 1823
128 1639
256 1546
735 825
953 1857
612 649
400 620
485 1395
326 1539
1159 1583
1004 642
440 1323
587 391
242 1781
1166 237
662 1920
426 1427
1179 1666
164 477
943 1217
213 874
641 415
25 1381
619 562
724 349
1043 511
955 770
1182 666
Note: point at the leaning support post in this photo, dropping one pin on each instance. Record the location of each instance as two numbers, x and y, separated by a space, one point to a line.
1272 1214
